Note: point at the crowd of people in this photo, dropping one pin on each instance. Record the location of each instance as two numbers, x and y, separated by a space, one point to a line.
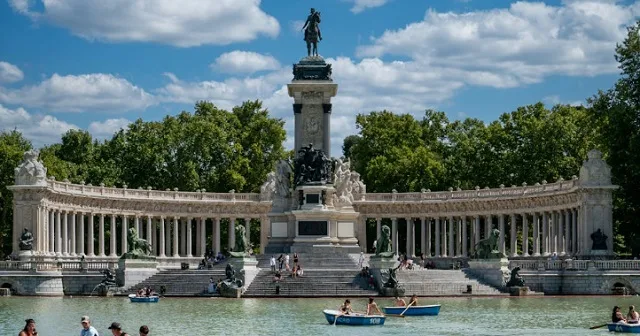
146 292
631 318
283 262
210 259
87 329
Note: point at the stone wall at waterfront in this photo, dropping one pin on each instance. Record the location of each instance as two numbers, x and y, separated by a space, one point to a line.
583 283
51 283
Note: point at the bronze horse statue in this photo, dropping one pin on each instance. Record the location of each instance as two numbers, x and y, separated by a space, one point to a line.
312 32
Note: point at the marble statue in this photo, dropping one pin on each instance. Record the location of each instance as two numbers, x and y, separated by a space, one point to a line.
347 183
595 171
31 171
138 248
599 240
283 179
516 279
268 188
312 32
26 240
488 248
383 245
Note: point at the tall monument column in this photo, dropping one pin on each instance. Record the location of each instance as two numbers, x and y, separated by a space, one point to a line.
312 89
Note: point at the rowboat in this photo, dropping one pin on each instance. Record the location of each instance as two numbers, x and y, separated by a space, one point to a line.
622 327
152 299
431 310
353 318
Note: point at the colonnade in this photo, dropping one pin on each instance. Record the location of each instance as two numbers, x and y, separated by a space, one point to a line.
72 233
556 231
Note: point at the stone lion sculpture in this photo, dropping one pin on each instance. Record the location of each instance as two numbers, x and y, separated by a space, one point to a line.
138 248
383 245
488 248
515 280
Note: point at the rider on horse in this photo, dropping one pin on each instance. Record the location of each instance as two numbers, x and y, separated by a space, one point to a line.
314 17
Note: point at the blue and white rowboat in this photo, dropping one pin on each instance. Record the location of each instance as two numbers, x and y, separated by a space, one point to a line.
622 327
353 318
431 310
152 299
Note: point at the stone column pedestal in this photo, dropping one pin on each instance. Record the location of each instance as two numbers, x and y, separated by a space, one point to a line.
246 270
379 268
131 272
492 271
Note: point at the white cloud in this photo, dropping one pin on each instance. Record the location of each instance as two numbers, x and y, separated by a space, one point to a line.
71 93
244 62
10 73
518 45
361 5
40 129
296 26
184 23
105 129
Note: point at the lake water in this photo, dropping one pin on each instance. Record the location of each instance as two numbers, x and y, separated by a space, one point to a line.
216 316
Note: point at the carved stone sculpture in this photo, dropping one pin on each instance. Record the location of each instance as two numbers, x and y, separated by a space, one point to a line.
392 281
347 183
26 241
138 248
595 171
283 178
268 188
599 240
515 280
31 171
231 284
312 166
383 245
488 248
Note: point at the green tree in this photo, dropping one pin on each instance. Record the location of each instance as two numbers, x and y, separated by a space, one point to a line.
618 110
12 148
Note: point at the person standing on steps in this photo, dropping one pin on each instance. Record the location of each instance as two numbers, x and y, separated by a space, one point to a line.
272 263
361 260
280 262
286 262
295 260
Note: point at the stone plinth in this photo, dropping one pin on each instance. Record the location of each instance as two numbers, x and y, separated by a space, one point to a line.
246 269
131 272
491 271
519 291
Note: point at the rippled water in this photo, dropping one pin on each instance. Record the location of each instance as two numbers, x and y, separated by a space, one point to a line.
216 316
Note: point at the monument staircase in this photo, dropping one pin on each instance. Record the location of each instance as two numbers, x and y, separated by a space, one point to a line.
438 282
190 282
327 274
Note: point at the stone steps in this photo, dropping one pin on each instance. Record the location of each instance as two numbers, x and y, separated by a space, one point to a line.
442 283
182 282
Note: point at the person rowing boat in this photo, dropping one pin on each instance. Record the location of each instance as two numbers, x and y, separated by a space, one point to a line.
345 308
372 306
414 300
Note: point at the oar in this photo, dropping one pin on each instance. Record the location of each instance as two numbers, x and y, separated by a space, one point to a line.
336 319
407 308
394 315
599 326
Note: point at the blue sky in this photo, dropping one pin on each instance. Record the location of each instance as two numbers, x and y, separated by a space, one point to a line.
97 65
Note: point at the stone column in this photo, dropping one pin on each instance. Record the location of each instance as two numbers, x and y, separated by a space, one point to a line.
58 233
464 237
154 235
423 233
90 242
501 244
545 234
101 236
476 231
443 238
149 235
438 250
161 243
536 235
247 230
574 243
72 234
203 236
189 238
452 228
378 228
427 236
525 235
488 225
216 235
459 237
52 231
394 235
81 234
65 234
125 234
408 241
182 237
112 230
562 237
514 236
176 226
231 239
